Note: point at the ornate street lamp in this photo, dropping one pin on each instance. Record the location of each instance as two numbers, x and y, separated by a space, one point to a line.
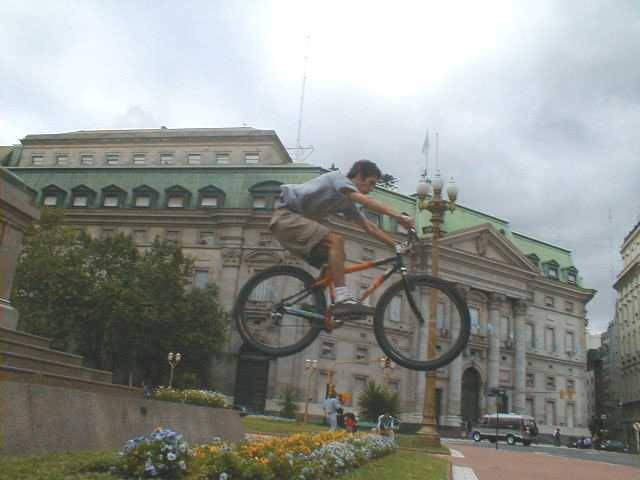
310 366
387 367
438 207
174 360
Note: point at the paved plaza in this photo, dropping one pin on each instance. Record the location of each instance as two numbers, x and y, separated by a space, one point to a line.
544 462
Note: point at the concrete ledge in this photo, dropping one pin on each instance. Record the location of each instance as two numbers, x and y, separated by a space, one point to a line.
40 419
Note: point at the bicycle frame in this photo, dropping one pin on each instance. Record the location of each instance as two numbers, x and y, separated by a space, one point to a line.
326 280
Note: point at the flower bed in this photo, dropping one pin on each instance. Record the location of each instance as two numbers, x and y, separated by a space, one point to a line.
205 398
297 457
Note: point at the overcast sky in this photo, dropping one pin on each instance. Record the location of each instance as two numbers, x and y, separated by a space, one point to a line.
536 103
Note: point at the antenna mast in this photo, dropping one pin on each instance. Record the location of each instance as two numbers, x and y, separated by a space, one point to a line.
302 152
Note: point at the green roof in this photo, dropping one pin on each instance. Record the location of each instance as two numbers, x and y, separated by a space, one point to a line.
236 181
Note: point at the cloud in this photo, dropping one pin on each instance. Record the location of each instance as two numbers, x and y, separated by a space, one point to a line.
537 103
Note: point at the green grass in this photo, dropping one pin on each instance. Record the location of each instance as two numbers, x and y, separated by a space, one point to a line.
60 466
263 425
414 441
402 465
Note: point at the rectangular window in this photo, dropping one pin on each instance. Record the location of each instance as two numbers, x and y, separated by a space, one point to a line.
111 201
531 335
143 201
265 240
569 340
328 350
553 272
530 407
206 238
173 236
113 158
194 159
550 339
209 202
550 413
395 308
37 159
551 383
504 329
548 301
201 278
86 159
223 157
373 217
166 158
571 278
50 201
475 320
176 202
359 387
140 236
62 159
571 385
251 157
259 202
139 159
531 380
80 201
362 353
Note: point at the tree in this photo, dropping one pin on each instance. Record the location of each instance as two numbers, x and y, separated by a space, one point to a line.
376 400
287 402
388 181
121 309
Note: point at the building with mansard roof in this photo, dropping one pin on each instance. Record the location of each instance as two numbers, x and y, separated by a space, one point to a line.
212 190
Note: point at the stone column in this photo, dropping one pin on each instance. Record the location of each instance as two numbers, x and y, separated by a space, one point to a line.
493 370
520 309
454 404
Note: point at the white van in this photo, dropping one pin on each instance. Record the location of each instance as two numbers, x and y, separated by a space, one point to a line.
509 427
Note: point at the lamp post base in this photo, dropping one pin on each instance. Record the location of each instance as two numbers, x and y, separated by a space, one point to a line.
429 436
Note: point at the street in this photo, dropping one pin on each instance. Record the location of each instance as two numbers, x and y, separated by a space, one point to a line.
539 462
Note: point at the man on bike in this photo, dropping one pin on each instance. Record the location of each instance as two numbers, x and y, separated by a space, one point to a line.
300 210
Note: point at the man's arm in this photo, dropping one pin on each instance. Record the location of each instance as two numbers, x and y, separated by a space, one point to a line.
376 206
374 230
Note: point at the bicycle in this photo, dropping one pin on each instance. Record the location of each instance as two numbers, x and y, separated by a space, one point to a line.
282 310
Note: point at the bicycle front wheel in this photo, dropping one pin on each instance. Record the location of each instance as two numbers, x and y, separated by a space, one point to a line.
401 322
262 311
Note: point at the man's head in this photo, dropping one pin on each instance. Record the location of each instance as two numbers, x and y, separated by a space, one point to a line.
364 174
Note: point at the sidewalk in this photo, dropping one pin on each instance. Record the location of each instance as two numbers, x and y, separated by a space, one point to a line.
489 464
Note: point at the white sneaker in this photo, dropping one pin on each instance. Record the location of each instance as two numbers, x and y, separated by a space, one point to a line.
351 306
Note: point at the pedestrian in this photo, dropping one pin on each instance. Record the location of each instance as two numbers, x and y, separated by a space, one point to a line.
385 425
331 407
350 422
556 437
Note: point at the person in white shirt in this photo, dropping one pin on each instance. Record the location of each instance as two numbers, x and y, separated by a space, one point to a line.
385 425
331 406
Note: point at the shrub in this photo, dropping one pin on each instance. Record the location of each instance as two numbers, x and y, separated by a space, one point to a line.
375 400
287 402
162 454
205 398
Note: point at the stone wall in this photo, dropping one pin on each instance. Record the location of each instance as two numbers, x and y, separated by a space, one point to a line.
39 419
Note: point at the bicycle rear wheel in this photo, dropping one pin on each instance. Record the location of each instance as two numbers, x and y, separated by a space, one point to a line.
259 311
401 322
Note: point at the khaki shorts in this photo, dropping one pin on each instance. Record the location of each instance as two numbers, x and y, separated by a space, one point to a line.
300 235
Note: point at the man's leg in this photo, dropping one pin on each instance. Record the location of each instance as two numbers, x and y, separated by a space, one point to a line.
335 243
333 421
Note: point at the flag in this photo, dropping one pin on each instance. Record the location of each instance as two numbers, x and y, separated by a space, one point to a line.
425 145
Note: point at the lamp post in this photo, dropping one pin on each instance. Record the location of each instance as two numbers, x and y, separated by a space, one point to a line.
437 206
387 367
174 360
311 366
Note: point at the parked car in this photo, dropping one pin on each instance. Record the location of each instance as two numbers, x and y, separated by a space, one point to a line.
615 446
509 427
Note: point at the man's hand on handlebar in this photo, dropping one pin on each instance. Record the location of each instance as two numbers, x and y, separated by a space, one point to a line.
406 221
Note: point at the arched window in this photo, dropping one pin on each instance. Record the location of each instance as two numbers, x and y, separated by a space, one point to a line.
211 197
177 197
53 196
263 195
145 197
82 196
113 197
